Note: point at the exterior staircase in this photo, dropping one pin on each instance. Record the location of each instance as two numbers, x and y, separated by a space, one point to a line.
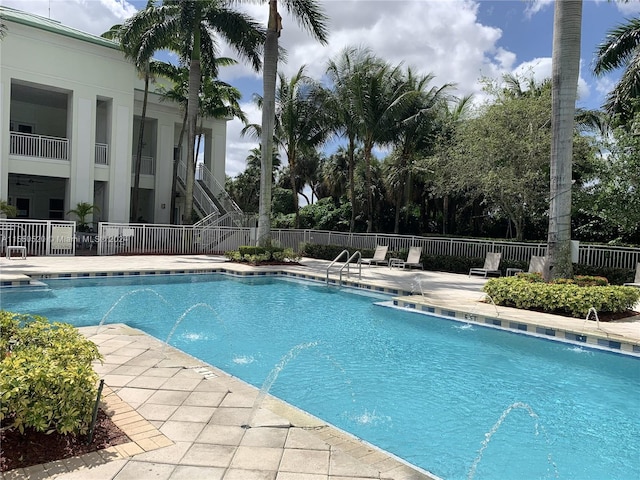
214 204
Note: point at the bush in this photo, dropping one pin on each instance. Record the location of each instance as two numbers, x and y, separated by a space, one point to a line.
255 255
562 298
47 381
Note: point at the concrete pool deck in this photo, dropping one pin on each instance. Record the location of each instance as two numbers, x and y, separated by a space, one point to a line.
185 417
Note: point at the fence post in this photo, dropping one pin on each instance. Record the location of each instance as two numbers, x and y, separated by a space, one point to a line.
48 241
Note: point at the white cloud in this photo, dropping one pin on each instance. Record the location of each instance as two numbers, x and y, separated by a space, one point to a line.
629 8
540 69
238 147
91 16
536 5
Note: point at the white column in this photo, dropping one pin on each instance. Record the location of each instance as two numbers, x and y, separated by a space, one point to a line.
120 177
83 152
5 102
164 172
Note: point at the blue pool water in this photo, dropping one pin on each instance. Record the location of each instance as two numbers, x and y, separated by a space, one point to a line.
462 402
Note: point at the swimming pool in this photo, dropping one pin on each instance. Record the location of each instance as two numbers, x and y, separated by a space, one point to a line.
460 401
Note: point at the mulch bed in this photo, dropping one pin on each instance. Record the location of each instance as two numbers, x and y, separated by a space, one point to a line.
33 448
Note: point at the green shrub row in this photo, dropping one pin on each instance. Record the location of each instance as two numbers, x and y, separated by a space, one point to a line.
562 298
255 255
47 381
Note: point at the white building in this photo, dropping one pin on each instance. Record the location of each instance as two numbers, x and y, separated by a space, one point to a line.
69 120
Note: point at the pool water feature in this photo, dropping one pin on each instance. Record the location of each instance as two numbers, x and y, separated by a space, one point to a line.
431 390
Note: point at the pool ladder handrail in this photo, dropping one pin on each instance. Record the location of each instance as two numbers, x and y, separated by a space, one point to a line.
346 264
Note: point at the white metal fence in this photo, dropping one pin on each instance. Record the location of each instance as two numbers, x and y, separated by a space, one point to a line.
185 239
59 237
39 237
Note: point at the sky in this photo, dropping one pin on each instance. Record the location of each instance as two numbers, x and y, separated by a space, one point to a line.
458 41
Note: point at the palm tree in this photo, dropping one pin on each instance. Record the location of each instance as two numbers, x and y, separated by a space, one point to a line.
190 26
381 103
621 48
311 17
82 211
344 73
565 69
414 136
299 126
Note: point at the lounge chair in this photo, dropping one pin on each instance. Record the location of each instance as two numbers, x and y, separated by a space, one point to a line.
379 256
413 259
537 264
636 281
491 265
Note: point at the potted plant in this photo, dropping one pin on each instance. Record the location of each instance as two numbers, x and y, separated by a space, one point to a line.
82 210
6 210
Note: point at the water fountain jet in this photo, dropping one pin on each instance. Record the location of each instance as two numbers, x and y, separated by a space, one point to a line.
182 317
494 429
271 378
128 294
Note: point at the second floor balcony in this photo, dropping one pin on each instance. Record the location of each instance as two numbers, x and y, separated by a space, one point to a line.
39 146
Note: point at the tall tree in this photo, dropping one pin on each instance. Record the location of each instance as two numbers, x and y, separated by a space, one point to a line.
344 73
567 25
299 126
382 101
193 27
621 49
310 16
414 137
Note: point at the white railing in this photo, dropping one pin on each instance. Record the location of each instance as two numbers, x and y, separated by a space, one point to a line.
131 238
114 238
208 207
40 237
147 165
40 146
204 174
102 154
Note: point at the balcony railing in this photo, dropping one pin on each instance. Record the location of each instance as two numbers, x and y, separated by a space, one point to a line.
102 154
39 146
147 165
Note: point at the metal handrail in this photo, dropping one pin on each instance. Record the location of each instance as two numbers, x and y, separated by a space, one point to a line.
212 183
334 261
199 195
356 254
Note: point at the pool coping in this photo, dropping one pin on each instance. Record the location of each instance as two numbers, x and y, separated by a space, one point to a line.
600 340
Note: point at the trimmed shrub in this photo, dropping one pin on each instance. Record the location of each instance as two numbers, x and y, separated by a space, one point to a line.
562 298
256 255
47 380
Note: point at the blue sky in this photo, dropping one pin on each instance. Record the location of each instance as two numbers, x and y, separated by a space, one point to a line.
459 41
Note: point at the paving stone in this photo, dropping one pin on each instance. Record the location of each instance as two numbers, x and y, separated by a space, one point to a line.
305 461
182 431
209 455
257 458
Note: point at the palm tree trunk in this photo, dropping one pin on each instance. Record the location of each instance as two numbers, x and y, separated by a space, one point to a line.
368 147
294 187
136 177
352 189
565 69
270 72
195 75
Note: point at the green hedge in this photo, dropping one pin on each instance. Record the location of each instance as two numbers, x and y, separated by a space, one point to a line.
47 381
255 255
562 298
